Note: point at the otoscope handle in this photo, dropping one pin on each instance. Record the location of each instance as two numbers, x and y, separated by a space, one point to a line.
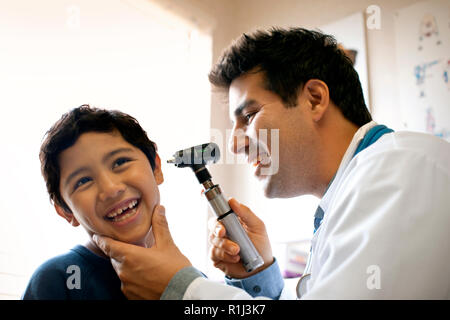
250 257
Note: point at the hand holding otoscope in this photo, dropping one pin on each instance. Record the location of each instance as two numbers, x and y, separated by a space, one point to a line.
196 158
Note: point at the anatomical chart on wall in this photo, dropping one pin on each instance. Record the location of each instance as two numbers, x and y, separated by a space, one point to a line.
423 59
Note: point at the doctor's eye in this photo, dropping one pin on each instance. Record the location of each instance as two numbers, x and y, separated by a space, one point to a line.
249 116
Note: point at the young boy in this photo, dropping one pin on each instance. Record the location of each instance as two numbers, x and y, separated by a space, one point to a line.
102 172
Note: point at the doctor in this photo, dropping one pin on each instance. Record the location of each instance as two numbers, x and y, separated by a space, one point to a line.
382 225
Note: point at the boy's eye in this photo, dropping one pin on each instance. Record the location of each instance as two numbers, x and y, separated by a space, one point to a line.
81 182
120 162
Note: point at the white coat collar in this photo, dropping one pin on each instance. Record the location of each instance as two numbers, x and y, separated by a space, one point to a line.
359 135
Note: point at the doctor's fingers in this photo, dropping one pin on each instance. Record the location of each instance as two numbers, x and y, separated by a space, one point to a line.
247 217
219 255
216 228
224 244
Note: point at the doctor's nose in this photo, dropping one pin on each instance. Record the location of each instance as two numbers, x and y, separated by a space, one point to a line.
238 141
110 187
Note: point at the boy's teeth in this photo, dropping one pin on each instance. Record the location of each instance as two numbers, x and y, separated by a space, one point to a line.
125 216
119 211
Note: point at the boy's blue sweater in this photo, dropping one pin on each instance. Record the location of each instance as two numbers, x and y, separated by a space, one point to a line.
77 275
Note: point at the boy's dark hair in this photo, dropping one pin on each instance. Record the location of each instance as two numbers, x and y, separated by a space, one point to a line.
65 132
289 58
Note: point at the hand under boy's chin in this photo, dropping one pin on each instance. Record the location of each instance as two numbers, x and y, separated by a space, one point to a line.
147 242
137 237
143 240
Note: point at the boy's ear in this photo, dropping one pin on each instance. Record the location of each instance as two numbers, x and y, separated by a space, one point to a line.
67 215
157 172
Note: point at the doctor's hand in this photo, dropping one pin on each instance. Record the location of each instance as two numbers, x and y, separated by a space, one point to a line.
225 253
145 272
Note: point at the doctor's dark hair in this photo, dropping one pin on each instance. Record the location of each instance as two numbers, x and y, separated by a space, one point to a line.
66 131
288 58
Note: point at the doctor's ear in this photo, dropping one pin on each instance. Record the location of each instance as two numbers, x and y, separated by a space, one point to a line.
66 215
316 92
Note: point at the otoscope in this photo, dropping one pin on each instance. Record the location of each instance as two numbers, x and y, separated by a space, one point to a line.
196 158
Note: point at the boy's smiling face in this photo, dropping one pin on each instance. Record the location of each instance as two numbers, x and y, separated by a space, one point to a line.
110 186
